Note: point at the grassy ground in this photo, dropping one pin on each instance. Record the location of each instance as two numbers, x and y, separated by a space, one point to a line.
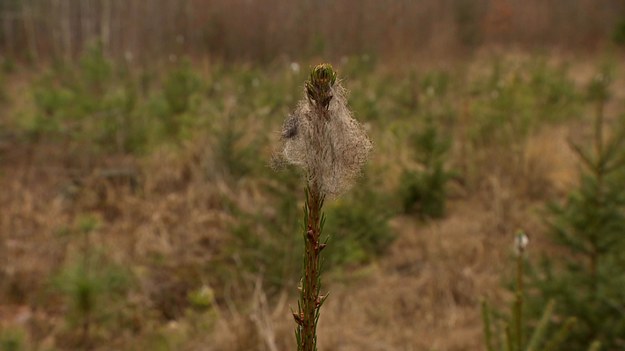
140 209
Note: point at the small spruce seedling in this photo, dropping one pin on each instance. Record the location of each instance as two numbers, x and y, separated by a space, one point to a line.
589 226
322 138
513 337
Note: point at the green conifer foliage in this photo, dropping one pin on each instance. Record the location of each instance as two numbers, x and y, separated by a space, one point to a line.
507 332
588 279
424 191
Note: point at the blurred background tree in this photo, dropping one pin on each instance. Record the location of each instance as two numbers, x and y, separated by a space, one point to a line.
244 31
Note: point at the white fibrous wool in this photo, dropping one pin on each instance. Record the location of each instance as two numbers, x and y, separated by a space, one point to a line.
329 145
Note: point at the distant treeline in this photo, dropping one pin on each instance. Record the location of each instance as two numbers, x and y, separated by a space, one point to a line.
263 30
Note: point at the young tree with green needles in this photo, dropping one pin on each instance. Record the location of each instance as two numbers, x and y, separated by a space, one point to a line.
323 139
513 336
425 191
588 282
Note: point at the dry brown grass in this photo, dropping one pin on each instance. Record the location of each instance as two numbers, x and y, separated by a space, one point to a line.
424 294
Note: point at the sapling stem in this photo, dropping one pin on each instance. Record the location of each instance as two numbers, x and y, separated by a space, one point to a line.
520 244
310 296
323 138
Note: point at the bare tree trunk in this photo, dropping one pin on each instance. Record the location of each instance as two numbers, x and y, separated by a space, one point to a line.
66 24
54 32
105 27
29 27
7 24
87 23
